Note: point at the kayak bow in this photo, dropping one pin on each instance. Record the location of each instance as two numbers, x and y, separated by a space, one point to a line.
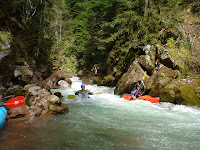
145 98
12 103
3 114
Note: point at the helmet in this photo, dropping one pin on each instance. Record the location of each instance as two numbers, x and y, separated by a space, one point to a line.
137 84
82 85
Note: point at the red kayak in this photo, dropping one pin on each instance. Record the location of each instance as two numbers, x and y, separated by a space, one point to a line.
145 97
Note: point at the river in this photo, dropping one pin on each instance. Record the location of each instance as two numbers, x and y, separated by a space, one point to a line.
106 122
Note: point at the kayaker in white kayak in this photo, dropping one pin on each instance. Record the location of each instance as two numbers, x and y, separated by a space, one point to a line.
137 92
83 93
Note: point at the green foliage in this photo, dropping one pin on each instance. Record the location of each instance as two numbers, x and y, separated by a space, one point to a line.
68 64
196 7
180 55
18 92
5 37
25 20
76 34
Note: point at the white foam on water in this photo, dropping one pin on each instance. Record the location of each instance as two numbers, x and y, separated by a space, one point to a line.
152 126
108 121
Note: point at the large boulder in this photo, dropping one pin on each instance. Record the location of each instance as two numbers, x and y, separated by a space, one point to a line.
151 51
38 102
188 92
63 83
22 75
170 87
167 93
52 81
147 63
41 98
182 91
22 71
161 77
128 80
53 99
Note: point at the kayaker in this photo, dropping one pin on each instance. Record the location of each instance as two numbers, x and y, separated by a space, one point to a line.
137 92
83 93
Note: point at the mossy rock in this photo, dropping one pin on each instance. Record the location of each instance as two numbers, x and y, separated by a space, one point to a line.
165 81
19 92
178 91
118 75
109 78
188 95
98 81
5 36
167 95
162 77
147 63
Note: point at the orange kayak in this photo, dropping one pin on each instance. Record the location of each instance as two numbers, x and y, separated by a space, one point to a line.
145 98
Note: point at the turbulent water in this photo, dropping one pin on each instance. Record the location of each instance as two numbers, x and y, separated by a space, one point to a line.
107 122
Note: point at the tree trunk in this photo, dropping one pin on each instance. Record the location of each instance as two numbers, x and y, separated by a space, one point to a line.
146 8
40 34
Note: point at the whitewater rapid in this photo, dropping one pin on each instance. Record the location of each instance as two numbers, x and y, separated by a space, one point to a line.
140 123
108 122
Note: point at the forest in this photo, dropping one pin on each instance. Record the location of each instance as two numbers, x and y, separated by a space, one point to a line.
74 35
51 50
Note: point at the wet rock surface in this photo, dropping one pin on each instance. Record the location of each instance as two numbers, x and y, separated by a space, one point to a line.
164 78
38 102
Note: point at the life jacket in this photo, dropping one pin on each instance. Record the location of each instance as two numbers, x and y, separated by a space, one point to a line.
83 93
138 91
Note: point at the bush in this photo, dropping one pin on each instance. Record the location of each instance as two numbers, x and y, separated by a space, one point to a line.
196 8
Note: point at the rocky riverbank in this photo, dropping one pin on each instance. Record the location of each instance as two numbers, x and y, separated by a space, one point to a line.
171 74
21 80
165 78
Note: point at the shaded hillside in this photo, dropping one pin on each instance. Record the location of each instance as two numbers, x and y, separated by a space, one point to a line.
106 35
111 34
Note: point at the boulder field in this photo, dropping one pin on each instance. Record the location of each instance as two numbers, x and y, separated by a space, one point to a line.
39 100
165 77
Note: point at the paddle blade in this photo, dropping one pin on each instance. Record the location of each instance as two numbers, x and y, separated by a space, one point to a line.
15 102
144 76
98 93
71 96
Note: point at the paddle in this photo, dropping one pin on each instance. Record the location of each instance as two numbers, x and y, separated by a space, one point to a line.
15 102
145 74
71 96
74 96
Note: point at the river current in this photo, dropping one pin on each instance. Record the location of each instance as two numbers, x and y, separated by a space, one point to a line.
106 122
